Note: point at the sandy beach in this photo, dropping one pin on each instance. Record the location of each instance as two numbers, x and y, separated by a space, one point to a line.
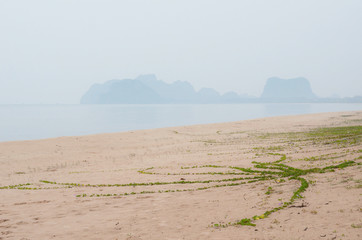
293 177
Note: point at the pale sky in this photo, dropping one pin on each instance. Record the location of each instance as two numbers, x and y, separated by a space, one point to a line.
53 51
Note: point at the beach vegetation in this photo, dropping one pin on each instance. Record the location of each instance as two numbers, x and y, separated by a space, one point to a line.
262 171
245 222
358 225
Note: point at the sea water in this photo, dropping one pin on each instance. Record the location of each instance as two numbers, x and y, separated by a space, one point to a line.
28 122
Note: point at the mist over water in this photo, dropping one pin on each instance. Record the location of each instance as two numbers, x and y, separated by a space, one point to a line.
53 51
29 122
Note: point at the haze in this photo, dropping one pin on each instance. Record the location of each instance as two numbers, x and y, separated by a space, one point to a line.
53 51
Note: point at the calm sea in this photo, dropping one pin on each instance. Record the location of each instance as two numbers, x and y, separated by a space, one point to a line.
27 122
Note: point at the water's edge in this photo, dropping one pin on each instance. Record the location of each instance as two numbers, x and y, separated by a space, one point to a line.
31 122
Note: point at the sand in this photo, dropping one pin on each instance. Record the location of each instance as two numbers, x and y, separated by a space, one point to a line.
71 189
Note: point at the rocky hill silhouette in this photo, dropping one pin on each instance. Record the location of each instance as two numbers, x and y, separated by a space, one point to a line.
288 90
146 89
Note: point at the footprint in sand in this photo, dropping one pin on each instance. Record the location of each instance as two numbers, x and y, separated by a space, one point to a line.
4 220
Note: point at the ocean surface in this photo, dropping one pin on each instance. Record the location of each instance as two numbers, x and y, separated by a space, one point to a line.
28 122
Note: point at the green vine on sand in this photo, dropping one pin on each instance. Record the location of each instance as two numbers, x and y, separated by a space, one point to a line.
284 172
265 171
277 170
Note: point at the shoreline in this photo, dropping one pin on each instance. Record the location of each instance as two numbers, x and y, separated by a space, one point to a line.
180 126
43 122
191 182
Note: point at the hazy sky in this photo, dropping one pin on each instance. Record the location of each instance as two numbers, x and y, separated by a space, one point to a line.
53 51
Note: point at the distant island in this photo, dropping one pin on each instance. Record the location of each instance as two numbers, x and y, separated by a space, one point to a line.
296 89
147 89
